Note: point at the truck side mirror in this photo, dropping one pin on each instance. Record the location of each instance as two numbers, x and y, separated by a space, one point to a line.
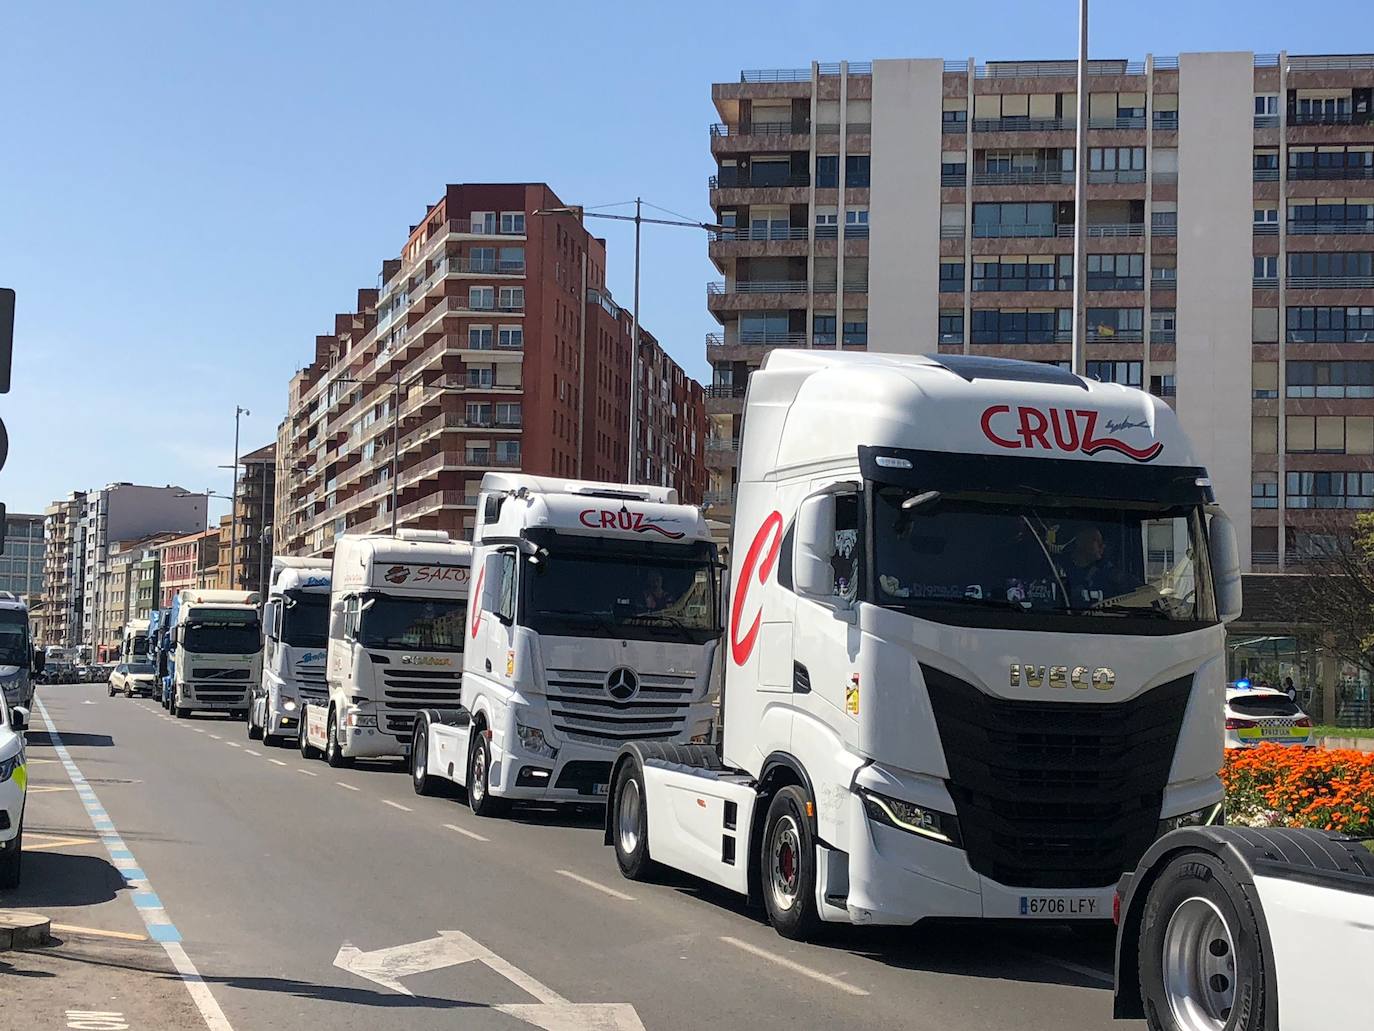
815 547
40 661
1225 562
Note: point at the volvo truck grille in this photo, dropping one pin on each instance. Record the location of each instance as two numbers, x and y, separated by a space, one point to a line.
406 691
220 673
1053 794
594 707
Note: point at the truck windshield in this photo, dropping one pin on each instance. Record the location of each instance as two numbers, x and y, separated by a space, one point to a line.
14 639
222 632
432 625
644 597
1028 559
305 620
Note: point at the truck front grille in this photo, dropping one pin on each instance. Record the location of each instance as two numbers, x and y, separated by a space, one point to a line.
1052 794
220 673
406 691
584 710
310 682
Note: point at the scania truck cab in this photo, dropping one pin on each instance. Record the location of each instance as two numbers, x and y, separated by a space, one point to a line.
396 615
295 632
594 621
216 646
975 649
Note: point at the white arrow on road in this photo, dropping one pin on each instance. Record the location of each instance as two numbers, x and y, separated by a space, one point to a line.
552 1012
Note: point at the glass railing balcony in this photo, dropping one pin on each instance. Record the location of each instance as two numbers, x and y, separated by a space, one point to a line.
760 233
1018 124
1331 282
1118 122
1116 175
1333 172
1335 228
731 180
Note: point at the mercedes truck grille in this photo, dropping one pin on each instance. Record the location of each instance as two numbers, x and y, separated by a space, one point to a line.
406 691
1053 794
593 707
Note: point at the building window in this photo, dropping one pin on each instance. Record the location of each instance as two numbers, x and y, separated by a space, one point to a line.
1357 266
992 220
1115 323
1330 490
1264 491
481 376
1266 216
856 223
823 330
508 414
1266 161
513 223
479 338
1266 104
512 298
481 298
1330 379
1020 326
827 171
1330 324
856 333
1162 325
508 452
1266 268
1116 164
951 328
477 413
1116 271
511 337
1125 373
856 171
952 277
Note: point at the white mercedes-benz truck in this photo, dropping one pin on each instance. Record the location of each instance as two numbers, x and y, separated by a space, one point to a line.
295 633
396 615
217 649
974 645
594 621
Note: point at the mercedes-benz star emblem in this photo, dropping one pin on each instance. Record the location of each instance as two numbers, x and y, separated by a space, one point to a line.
622 683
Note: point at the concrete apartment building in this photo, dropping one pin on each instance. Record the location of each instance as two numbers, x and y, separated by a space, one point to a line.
21 565
62 579
125 593
491 342
927 206
188 561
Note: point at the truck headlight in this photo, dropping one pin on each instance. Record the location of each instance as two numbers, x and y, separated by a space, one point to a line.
532 740
358 719
8 766
910 817
1211 816
289 704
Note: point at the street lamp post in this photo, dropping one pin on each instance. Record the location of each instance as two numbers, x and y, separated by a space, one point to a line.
1078 348
234 505
638 219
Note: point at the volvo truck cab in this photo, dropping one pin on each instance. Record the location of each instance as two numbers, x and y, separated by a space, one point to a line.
216 644
974 650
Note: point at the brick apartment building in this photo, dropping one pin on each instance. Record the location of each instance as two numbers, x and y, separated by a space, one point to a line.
492 342
1230 216
189 561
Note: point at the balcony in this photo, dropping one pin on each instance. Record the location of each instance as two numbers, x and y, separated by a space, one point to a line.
775 75
722 390
1024 177
1270 228
721 445
1166 229
720 129
1166 121
1331 282
1119 122
727 180
757 340
1115 336
757 286
1117 176
481 266
1332 172
1266 121
761 233
1065 69
1266 175
1018 124
1334 228
1328 118
1266 282
718 497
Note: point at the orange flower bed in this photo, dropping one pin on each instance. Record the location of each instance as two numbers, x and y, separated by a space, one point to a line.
1277 786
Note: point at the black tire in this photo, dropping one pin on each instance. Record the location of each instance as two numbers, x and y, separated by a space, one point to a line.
255 733
128 691
11 861
111 688
420 779
480 799
303 742
630 824
1196 909
787 865
333 750
180 712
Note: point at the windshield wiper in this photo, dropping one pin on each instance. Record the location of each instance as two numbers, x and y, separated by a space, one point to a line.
582 615
672 621
988 602
1126 610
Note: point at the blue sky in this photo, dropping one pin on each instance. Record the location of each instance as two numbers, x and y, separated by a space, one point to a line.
189 191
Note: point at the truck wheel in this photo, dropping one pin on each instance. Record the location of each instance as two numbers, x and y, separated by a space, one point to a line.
630 825
255 733
304 742
419 761
333 750
480 799
179 711
11 860
788 865
1200 951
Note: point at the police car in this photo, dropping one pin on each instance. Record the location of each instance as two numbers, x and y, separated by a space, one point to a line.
14 782
1258 714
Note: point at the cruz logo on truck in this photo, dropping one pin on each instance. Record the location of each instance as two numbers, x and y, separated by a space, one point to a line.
633 522
1062 429
758 565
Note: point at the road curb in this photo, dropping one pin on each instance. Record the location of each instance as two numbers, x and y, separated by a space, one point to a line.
1358 744
19 930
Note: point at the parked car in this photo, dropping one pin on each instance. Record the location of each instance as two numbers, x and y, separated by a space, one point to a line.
13 790
132 678
1258 714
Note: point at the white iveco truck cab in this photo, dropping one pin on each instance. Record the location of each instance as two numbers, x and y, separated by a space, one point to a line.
974 649
217 644
295 632
396 616
593 622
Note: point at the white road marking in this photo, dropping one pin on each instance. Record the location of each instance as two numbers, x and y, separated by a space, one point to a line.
1069 965
306 772
593 884
232 744
216 737
795 967
348 787
249 751
277 762
96 1020
198 730
463 831
397 805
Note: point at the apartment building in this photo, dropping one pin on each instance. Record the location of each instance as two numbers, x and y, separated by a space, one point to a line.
188 561
927 206
670 429
254 514
21 564
490 342
124 591
62 571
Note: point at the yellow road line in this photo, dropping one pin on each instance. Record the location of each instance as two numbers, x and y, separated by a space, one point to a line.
121 935
52 841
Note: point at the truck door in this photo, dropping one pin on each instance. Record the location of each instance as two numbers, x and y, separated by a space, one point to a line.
494 632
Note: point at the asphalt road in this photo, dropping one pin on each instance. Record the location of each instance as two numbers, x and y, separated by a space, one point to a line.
208 881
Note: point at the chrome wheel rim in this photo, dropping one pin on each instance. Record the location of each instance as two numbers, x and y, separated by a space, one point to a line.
628 820
1199 966
784 866
478 787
